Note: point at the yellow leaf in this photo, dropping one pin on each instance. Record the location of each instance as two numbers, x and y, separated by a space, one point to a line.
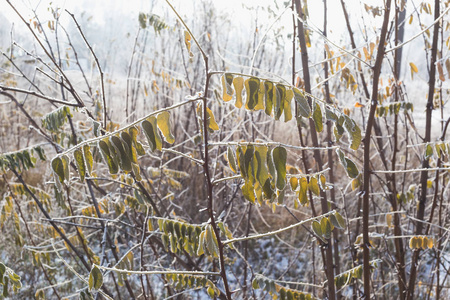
357 104
163 121
413 69
440 71
238 83
314 186
366 53
389 220
228 92
212 124
187 42
294 183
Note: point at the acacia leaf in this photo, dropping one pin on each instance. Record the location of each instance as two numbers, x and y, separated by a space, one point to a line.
287 105
303 107
227 89
81 166
317 117
95 279
110 161
270 97
153 137
252 87
238 83
88 158
58 168
124 160
279 156
163 121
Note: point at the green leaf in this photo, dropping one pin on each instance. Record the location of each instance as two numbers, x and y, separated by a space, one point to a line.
252 87
136 171
66 162
41 153
54 120
150 129
303 107
317 228
248 162
317 117
88 159
340 220
255 284
241 161
349 165
58 168
2 272
128 146
428 151
5 287
142 20
280 197
279 102
231 159
330 115
279 155
163 121
262 173
337 220
95 279
79 160
124 160
238 83
354 132
201 243
227 80
271 166
211 241
268 190
325 226
261 96
352 170
112 165
270 97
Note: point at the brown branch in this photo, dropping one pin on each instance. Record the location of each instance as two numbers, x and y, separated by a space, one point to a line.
367 144
328 255
426 162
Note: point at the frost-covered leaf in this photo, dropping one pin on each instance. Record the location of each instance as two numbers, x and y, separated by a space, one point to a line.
227 89
238 83
279 156
95 279
163 121
317 117
252 87
81 166
151 132
303 106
